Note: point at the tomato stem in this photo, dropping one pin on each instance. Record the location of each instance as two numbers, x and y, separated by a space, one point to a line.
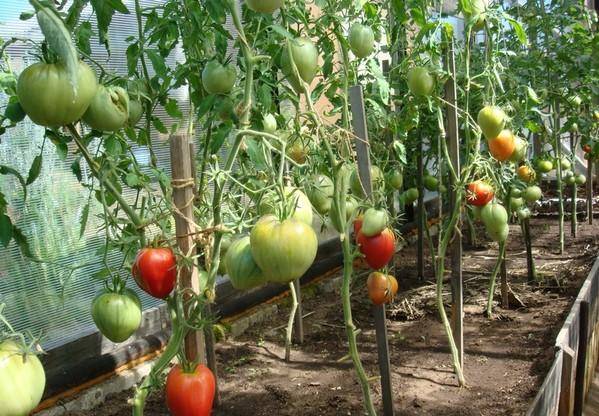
289 332
493 279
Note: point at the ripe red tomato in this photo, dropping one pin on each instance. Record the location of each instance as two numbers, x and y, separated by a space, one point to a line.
155 271
190 394
377 250
586 148
479 193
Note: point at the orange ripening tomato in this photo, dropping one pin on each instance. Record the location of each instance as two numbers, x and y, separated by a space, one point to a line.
381 288
586 148
502 147
479 193
526 174
190 394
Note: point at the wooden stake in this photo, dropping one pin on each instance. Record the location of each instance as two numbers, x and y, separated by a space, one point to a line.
421 220
590 191
583 344
457 296
356 98
183 197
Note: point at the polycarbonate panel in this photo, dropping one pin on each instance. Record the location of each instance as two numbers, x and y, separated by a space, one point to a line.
55 297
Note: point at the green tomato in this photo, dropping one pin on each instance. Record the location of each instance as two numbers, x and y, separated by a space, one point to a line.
48 98
351 205
374 222
225 243
305 58
580 179
476 212
520 151
395 179
411 195
515 203
478 15
515 192
376 177
544 166
494 216
218 78
299 205
523 213
532 193
575 101
243 271
264 6
430 182
14 112
284 250
135 113
269 124
109 109
499 234
320 190
566 164
420 81
117 315
22 379
491 121
568 177
361 40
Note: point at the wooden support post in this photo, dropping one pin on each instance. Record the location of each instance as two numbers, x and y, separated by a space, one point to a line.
421 218
183 198
566 391
457 296
298 333
583 343
530 262
590 191
210 342
356 98
505 296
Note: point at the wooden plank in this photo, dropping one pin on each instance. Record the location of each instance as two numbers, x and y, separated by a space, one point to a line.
356 98
566 396
579 385
183 196
590 190
546 402
421 218
457 295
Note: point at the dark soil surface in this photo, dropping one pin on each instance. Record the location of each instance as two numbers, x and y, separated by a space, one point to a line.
506 358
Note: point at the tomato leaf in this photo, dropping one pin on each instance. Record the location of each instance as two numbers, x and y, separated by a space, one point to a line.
105 9
21 241
83 221
158 63
172 109
159 125
59 39
520 33
75 13
7 170
76 169
83 34
34 170
6 230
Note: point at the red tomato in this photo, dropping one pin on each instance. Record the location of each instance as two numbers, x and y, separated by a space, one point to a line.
358 224
479 193
586 148
381 288
378 250
190 394
155 271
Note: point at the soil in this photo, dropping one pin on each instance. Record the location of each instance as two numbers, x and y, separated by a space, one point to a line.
506 358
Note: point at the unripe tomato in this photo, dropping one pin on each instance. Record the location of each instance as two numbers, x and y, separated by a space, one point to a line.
47 96
491 121
580 179
374 222
109 109
420 81
566 164
284 250
523 213
376 177
515 203
297 202
532 193
411 195
395 179
544 166
430 182
22 379
190 394
520 150
320 189
135 113
361 40
526 174
269 124
502 147
479 193
117 315
218 78
305 58
241 267
494 216
298 151
264 6
381 287
575 101
568 177
499 234
377 250
155 271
